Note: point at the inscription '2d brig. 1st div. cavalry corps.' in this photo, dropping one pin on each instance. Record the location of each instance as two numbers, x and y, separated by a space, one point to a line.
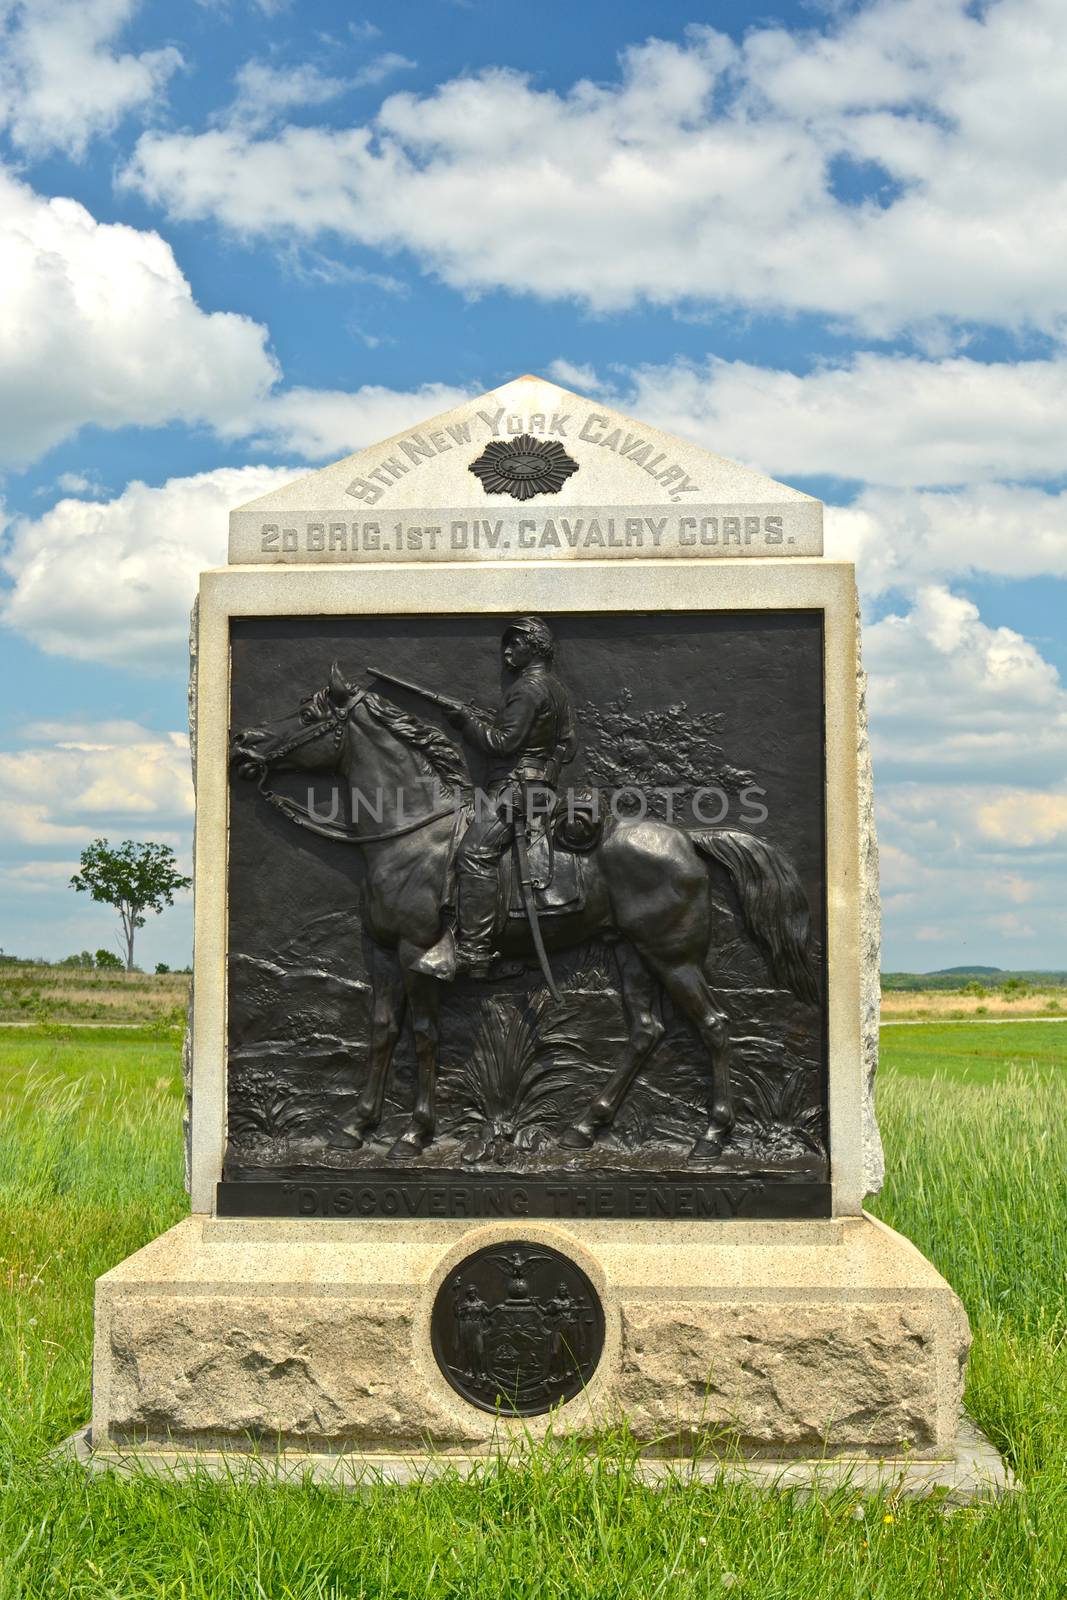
536 973
392 513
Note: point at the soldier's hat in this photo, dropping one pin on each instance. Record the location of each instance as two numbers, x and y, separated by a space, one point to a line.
537 631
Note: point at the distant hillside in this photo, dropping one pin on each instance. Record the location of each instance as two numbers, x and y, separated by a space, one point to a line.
957 977
966 972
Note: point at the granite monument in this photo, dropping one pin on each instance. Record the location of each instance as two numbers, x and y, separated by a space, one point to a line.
536 975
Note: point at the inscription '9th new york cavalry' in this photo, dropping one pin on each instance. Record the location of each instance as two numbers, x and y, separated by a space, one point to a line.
418 448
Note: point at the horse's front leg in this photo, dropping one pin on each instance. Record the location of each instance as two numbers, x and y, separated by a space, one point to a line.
387 1016
422 994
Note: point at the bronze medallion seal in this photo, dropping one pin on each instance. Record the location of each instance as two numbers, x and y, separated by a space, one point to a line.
517 1327
523 467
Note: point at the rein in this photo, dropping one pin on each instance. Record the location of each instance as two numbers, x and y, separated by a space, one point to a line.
334 723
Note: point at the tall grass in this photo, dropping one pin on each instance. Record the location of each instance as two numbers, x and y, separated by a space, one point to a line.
977 1178
89 1173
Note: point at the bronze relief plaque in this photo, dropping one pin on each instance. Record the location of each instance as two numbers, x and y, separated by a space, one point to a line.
527 917
517 1328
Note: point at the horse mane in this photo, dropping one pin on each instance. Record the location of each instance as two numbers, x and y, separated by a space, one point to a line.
435 751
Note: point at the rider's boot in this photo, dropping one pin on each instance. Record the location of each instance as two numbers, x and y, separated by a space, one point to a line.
477 914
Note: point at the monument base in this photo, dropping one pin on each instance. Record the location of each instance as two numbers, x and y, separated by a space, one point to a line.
976 1470
765 1339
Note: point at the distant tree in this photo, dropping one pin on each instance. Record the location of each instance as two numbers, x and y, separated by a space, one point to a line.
132 877
161 966
84 959
108 961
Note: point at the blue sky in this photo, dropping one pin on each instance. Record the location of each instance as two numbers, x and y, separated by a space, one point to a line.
241 239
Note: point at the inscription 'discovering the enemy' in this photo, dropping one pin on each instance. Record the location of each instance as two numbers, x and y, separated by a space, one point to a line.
451 1195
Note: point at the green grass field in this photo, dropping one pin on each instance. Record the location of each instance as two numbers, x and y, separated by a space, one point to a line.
975 1126
973 1052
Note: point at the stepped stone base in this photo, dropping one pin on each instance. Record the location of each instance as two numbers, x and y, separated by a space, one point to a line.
773 1340
975 1471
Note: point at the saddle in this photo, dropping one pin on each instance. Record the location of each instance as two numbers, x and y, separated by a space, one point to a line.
558 878
555 855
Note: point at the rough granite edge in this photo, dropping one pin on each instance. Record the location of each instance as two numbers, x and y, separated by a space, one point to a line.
187 1042
870 931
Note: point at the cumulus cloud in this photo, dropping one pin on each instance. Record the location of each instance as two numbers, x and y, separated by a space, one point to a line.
894 420
950 695
894 424
889 171
113 581
900 539
318 424
120 777
265 92
969 724
954 883
61 80
98 324
38 877
381 67
1023 817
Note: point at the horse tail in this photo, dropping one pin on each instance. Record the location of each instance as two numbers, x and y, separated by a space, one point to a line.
773 904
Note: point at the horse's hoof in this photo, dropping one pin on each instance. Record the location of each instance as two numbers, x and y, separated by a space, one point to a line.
709 1148
347 1139
408 1147
577 1137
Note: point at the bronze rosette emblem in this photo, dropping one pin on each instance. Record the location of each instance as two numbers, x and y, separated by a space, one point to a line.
523 467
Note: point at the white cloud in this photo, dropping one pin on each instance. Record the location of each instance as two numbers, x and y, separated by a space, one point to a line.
892 423
61 82
1025 817
37 877
319 424
113 581
969 725
127 781
954 883
899 540
892 420
265 92
950 695
381 67
709 172
98 324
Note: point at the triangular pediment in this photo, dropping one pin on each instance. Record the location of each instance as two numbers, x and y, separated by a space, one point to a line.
528 449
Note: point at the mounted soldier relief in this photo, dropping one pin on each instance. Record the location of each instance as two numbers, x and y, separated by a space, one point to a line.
570 928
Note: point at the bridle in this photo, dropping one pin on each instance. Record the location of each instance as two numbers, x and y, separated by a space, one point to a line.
334 722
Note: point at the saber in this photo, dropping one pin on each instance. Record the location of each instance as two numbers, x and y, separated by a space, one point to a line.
526 885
